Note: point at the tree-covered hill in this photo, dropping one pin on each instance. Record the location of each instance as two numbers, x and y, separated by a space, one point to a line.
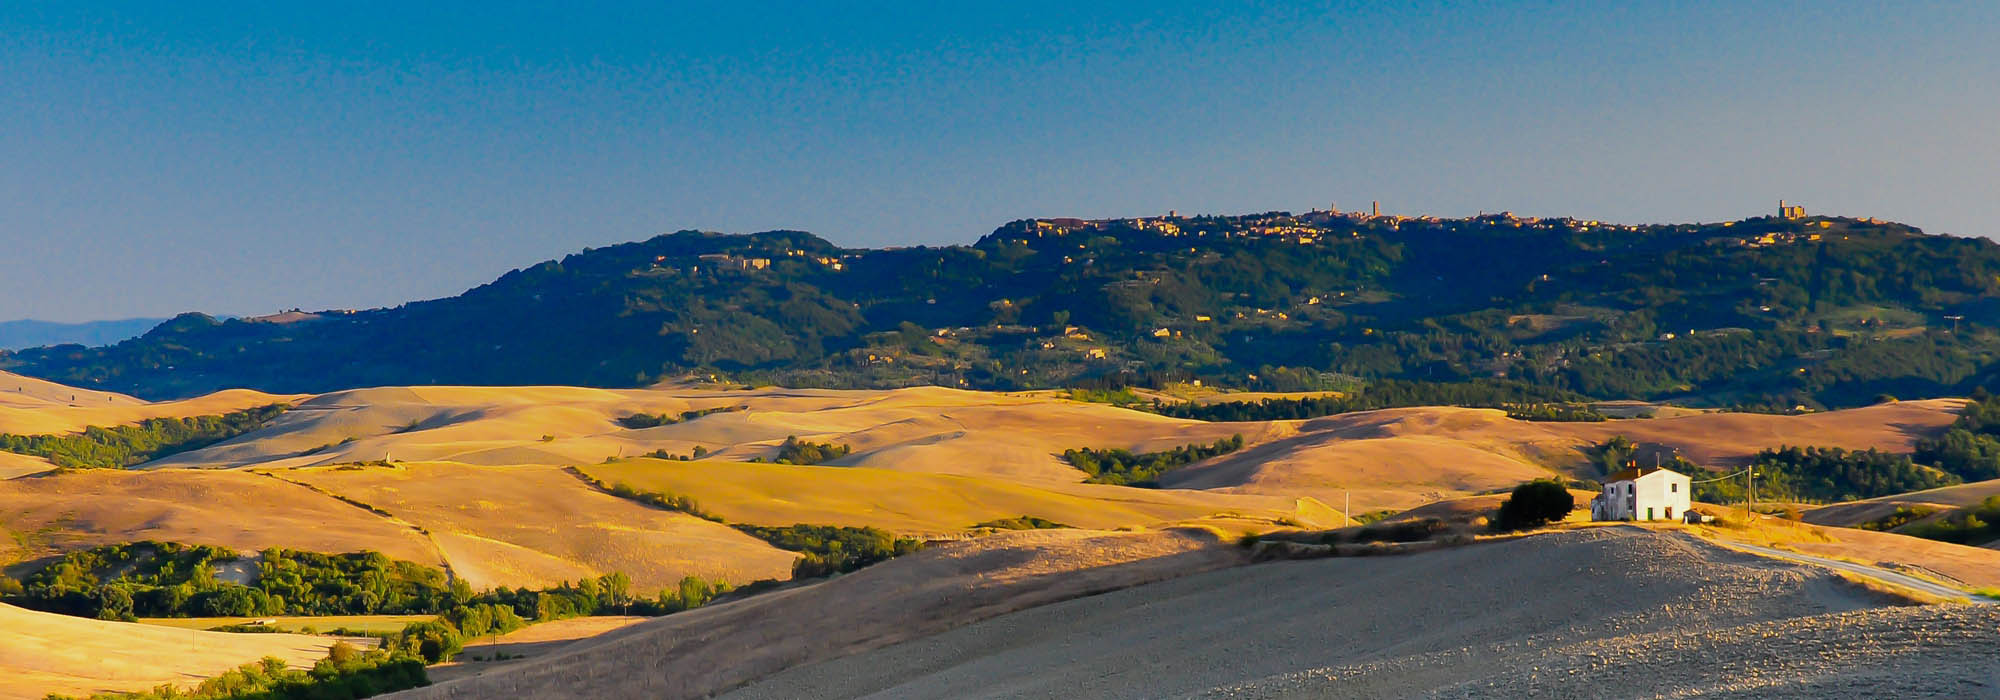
1764 312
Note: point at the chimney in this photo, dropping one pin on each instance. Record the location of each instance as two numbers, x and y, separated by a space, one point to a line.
1374 208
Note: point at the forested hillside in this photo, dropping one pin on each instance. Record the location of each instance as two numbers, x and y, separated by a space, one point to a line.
1766 312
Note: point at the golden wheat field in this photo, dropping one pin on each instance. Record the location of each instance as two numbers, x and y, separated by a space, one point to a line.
43 653
500 485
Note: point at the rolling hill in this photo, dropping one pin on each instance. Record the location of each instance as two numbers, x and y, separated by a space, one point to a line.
1764 311
1663 613
43 653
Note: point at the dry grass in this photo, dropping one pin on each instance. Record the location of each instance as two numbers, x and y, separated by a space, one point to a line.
1950 564
720 646
486 654
61 512
536 526
43 653
1728 439
57 418
368 624
1941 500
1403 458
772 494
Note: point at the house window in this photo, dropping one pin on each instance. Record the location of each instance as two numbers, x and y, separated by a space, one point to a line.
1676 488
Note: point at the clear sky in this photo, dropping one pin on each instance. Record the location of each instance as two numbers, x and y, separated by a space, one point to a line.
244 158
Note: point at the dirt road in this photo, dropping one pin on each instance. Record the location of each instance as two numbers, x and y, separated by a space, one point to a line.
1877 573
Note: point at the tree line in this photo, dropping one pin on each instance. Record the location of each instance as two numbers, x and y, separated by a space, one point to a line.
1123 468
1529 401
168 579
117 447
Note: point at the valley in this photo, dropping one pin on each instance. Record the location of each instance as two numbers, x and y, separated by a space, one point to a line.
544 487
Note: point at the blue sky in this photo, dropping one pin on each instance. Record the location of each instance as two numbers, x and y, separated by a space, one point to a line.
243 158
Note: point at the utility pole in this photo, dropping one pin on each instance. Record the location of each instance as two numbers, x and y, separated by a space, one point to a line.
1954 323
1750 506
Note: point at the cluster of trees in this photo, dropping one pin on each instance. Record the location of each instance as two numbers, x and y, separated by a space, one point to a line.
665 500
1116 396
1829 474
1025 522
1387 393
1903 515
1554 412
639 421
123 446
826 549
802 452
167 579
1973 525
347 673
1122 467
1970 448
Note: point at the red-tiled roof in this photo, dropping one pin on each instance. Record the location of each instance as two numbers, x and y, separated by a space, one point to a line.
1635 472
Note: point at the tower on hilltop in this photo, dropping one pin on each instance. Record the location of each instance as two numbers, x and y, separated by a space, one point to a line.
1794 211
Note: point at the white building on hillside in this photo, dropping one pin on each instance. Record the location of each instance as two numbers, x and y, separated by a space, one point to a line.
1643 493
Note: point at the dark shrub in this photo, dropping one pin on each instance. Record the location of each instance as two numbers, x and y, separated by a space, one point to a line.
1535 503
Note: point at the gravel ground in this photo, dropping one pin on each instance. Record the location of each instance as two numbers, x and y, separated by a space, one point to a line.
701 652
1607 612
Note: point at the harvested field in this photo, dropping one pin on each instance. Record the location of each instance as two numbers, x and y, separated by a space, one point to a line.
53 418
490 653
1942 500
1389 459
1405 457
55 513
704 651
920 503
1556 615
538 526
1731 439
42 653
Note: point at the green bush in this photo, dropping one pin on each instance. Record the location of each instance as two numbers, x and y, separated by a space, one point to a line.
434 641
1025 522
1972 525
1903 515
796 451
1534 504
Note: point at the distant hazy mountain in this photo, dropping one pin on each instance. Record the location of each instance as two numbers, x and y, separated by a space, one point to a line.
15 335
1769 312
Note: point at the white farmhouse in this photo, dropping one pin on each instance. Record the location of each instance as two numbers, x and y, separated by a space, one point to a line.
1643 493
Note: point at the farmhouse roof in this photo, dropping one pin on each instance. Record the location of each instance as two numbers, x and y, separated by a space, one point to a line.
1636 472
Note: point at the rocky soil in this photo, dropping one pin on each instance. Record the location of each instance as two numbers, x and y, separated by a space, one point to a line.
1618 612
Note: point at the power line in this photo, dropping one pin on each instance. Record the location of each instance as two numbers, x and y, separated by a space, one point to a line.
1719 478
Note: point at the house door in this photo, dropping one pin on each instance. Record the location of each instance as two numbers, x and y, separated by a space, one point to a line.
1649 512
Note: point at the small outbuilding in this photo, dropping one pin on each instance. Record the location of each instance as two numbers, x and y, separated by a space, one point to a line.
1643 493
